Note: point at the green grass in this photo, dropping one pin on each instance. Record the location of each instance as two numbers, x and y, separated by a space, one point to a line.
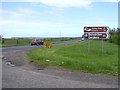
77 57
13 42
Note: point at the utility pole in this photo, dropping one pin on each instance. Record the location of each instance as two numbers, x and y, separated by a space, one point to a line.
60 35
0 38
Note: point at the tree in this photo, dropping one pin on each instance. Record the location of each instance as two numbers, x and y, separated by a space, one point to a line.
118 30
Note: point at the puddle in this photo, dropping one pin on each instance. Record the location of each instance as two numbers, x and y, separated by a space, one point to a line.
40 69
10 63
4 58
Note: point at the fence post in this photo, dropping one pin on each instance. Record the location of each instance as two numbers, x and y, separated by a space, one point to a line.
88 45
3 41
102 46
17 41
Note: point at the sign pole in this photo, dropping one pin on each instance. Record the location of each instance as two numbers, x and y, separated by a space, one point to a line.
88 45
102 46
96 33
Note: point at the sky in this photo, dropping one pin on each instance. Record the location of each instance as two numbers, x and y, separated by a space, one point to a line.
55 18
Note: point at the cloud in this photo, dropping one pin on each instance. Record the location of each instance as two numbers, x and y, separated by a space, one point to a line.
8 13
36 24
72 3
34 28
40 24
66 3
19 13
113 1
58 3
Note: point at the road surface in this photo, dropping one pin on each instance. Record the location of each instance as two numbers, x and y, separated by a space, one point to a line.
26 76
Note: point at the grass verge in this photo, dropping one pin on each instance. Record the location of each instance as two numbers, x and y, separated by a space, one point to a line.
77 57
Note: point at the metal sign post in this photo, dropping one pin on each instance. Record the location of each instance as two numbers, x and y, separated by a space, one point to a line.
96 33
88 45
102 46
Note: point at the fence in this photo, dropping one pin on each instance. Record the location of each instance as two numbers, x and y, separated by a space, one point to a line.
14 42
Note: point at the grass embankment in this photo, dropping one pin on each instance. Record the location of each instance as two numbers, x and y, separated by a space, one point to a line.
77 57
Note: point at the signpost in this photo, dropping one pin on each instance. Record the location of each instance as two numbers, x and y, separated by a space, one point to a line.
97 32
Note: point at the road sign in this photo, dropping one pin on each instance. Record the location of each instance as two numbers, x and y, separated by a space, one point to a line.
48 45
96 32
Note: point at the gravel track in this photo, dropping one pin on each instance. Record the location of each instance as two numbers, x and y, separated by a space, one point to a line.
21 61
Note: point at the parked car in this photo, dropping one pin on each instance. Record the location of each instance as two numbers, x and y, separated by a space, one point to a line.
36 42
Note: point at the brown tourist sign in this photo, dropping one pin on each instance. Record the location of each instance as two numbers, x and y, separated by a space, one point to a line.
100 32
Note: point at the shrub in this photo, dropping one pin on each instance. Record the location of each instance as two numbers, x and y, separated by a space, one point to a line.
115 39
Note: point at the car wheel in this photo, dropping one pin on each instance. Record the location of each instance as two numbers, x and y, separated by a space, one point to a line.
42 43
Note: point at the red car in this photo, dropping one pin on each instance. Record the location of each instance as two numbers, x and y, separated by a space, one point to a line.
36 42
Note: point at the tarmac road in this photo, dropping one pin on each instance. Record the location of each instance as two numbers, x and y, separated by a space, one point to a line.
18 77
19 48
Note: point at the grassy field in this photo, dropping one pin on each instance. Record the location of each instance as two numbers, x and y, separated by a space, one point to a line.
27 41
77 57
15 42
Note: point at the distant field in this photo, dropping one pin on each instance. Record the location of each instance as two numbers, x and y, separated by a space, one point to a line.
15 42
77 57
27 41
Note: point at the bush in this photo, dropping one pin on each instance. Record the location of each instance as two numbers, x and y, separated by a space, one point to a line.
115 39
